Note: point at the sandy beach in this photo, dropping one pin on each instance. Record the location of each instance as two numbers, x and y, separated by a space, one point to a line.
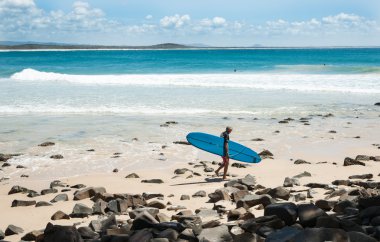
321 149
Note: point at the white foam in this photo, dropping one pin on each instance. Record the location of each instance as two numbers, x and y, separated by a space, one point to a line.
351 83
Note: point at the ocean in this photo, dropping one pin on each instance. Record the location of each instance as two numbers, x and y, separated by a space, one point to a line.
103 99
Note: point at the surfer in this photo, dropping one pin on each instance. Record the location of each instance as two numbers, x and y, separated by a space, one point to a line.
226 158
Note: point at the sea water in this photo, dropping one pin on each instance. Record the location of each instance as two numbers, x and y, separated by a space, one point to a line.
104 98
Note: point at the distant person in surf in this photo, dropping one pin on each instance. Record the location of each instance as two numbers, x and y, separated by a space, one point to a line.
226 157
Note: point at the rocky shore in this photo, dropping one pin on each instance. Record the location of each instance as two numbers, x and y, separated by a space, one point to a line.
240 209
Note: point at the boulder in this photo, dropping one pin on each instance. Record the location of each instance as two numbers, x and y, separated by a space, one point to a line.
235 214
12 229
88 192
325 204
303 174
150 195
199 194
132 175
57 157
253 200
321 234
208 169
87 233
34 235
43 204
349 162
117 206
80 211
181 171
236 196
290 182
18 189
59 215
366 202
300 161
317 185
185 197
219 194
253 225
342 205
265 154
169 234
136 212
327 222
359 237
58 233
60 197
248 180
99 207
156 181
308 214
21 203
161 217
48 191
285 211
156 204
101 225
215 234
363 157
48 143
143 220
279 192
284 234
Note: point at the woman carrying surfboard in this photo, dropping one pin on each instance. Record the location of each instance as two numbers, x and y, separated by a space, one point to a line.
226 157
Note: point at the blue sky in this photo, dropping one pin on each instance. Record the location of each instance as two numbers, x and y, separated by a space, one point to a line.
211 22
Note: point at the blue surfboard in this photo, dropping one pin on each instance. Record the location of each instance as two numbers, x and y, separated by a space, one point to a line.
214 145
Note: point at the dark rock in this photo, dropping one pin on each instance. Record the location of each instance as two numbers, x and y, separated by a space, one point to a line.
21 203
48 143
48 191
236 196
88 192
342 205
34 235
185 197
321 234
101 225
253 225
367 214
363 157
150 195
364 176
156 204
369 201
170 234
20 167
248 180
60 197
238 165
317 185
115 170
18 189
117 206
349 162
377 104
290 182
56 157
181 143
99 207
59 215
12 229
87 233
219 194
208 169
359 237
342 183
143 220
253 200
284 234
235 214
308 214
80 211
157 181
325 205
57 183
219 233
279 192
303 174
58 233
78 186
132 175
257 139
136 212
6 164
300 161
285 211
265 154
327 222
199 194
181 171
43 204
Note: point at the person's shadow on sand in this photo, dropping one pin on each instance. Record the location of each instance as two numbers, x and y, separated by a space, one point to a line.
207 180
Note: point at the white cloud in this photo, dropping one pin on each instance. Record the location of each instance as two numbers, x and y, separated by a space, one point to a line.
148 17
175 21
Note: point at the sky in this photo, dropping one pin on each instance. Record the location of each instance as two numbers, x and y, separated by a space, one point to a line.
209 22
